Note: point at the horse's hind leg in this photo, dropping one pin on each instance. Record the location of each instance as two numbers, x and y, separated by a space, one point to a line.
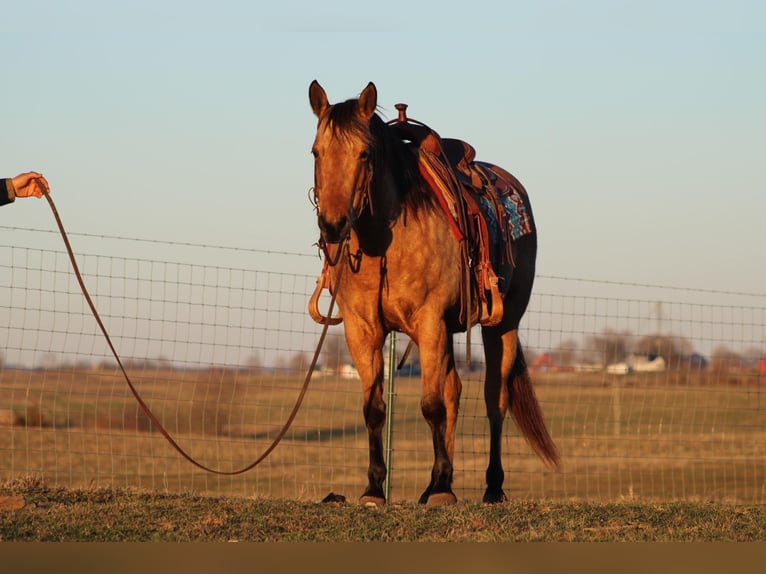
500 351
504 359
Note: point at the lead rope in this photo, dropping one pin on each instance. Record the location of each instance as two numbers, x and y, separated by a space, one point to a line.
144 406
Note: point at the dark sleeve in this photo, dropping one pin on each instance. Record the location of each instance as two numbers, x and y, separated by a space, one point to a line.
6 195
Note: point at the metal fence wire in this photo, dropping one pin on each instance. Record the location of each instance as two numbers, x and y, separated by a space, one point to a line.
651 392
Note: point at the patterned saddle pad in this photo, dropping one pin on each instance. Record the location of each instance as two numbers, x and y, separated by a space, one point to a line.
508 196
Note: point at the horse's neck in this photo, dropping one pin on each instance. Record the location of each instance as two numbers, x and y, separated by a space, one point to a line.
388 194
384 203
373 229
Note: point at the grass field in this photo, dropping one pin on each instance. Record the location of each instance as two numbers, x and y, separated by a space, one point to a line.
653 439
30 510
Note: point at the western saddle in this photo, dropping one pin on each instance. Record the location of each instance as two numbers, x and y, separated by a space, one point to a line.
471 194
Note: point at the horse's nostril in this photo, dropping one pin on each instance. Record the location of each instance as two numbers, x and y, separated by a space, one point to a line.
335 231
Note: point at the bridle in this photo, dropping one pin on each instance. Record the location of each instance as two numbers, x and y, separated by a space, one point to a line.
361 199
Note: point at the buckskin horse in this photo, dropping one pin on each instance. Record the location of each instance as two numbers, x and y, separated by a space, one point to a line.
420 238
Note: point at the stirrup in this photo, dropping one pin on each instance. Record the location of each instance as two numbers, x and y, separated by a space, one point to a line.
493 316
323 282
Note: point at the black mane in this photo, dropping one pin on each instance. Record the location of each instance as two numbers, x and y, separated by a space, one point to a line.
387 148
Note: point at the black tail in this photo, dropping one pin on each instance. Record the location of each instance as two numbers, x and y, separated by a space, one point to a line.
526 412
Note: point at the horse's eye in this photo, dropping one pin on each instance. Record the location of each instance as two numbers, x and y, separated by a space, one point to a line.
364 155
315 153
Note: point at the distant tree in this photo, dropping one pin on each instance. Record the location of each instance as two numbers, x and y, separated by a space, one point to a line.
565 354
675 350
82 365
298 363
609 347
254 361
725 360
50 361
753 354
291 364
164 363
530 354
334 353
107 365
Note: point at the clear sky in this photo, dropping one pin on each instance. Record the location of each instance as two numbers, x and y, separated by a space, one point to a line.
638 127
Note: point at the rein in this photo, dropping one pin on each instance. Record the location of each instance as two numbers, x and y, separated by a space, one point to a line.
157 424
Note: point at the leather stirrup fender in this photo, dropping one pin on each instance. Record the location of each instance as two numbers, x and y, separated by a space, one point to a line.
491 317
323 282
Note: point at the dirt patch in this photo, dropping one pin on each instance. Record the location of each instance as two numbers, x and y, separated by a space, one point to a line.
12 502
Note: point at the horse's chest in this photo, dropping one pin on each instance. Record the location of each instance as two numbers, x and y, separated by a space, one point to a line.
395 291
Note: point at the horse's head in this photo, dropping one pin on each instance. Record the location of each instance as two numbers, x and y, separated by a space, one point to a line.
343 159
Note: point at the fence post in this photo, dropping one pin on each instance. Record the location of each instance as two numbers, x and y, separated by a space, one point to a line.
616 406
390 411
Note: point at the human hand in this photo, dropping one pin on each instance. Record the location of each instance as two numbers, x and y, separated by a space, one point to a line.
26 184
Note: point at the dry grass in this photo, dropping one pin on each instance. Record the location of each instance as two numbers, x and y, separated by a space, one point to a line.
44 514
648 438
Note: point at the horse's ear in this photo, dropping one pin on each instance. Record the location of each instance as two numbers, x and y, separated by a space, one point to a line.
368 101
318 98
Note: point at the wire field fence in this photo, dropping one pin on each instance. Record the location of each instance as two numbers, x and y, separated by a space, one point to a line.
651 393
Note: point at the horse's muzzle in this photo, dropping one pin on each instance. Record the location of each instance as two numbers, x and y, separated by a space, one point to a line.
336 231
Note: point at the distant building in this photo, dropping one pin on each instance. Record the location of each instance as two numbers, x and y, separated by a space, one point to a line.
639 364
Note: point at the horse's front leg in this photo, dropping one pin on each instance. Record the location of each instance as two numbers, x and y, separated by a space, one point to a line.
439 404
366 350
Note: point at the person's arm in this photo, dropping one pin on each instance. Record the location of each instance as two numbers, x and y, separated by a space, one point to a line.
7 193
23 185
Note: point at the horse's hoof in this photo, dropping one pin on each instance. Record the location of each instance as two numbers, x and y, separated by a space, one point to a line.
441 499
495 497
372 501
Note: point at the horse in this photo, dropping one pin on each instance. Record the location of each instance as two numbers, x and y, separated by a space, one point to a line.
395 265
